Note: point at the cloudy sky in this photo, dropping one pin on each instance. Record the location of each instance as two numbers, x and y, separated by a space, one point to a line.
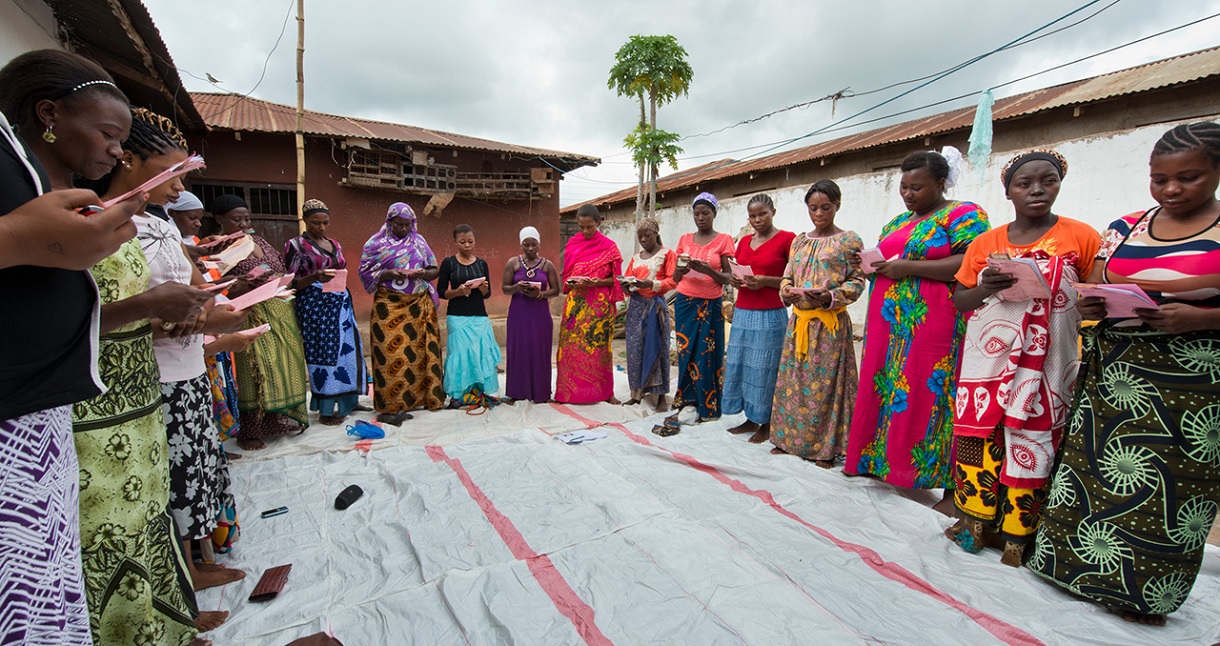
534 73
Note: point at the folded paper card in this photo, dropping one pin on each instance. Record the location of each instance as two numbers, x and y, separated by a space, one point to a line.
1030 283
1122 299
268 290
580 437
338 283
740 271
183 167
869 259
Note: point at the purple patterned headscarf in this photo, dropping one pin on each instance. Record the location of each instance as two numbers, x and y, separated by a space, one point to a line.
386 251
708 199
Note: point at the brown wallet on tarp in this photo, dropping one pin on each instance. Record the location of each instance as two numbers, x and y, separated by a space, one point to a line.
271 583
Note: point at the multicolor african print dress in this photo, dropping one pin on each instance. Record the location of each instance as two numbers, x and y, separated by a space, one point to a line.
136 581
1019 365
271 381
333 353
902 428
815 391
1138 483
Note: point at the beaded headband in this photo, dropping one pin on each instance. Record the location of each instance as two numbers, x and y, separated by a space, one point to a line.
88 83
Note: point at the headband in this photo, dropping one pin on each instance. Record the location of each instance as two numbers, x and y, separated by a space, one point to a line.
313 206
187 201
1051 156
88 83
530 232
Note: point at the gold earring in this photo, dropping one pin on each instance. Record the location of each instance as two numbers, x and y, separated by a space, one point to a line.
126 164
49 136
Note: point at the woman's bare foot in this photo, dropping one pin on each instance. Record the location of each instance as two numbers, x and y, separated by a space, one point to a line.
1143 618
778 451
330 420
761 435
631 402
204 579
825 464
251 444
210 620
663 404
614 402
199 641
744 427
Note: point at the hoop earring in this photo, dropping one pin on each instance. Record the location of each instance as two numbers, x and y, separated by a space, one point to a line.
49 136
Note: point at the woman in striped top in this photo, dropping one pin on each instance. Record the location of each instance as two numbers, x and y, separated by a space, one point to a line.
1138 483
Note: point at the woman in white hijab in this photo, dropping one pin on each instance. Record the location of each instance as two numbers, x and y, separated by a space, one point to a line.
531 281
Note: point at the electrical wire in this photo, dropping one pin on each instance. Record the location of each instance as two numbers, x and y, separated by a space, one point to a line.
266 61
847 93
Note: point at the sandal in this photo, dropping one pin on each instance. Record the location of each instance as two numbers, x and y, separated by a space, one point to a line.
970 536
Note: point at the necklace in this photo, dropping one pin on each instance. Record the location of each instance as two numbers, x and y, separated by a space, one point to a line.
530 271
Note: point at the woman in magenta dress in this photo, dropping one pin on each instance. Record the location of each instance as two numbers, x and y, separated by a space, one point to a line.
531 280
902 429
591 261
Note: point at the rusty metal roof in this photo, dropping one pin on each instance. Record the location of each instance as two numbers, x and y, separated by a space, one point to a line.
121 37
237 112
1159 74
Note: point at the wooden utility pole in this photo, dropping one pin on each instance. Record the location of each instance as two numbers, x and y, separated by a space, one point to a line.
300 114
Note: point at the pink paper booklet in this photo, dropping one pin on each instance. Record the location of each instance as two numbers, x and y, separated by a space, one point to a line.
1122 299
338 283
740 271
181 168
869 259
268 290
1030 284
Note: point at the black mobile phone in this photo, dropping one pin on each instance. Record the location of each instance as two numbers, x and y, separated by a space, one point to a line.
275 512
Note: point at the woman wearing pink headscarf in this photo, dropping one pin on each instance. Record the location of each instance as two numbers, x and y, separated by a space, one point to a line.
397 267
591 261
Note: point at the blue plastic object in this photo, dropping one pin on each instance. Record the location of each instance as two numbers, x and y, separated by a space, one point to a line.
365 431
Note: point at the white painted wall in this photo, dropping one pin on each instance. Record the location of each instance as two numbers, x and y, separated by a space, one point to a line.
25 25
1107 177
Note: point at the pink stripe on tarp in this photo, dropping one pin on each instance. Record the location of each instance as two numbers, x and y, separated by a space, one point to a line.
552 582
1002 630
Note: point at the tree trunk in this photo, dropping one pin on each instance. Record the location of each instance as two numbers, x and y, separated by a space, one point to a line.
639 187
652 122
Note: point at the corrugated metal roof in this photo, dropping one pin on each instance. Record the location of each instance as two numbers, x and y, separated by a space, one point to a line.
1159 74
235 112
124 40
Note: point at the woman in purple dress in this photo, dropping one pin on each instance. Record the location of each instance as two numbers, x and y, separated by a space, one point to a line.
532 281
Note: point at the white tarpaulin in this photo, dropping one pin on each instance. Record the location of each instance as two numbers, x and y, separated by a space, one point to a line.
486 530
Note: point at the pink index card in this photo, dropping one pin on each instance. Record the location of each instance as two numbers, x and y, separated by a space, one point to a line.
475 282
267 290
181 168
740 271
338 283
1122 299
1031 283
221 240
255 332
869 259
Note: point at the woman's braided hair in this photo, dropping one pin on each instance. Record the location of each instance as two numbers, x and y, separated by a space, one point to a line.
1201 135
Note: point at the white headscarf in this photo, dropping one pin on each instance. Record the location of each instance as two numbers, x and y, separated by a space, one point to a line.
530 232
186 202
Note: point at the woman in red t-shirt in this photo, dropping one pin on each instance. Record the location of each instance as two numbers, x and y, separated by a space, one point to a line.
759 321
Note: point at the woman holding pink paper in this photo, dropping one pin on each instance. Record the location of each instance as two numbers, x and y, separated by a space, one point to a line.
591 263
532 281
471 351
271 377
1019 359
815 390
1137 484
902 428
333 354
751 360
